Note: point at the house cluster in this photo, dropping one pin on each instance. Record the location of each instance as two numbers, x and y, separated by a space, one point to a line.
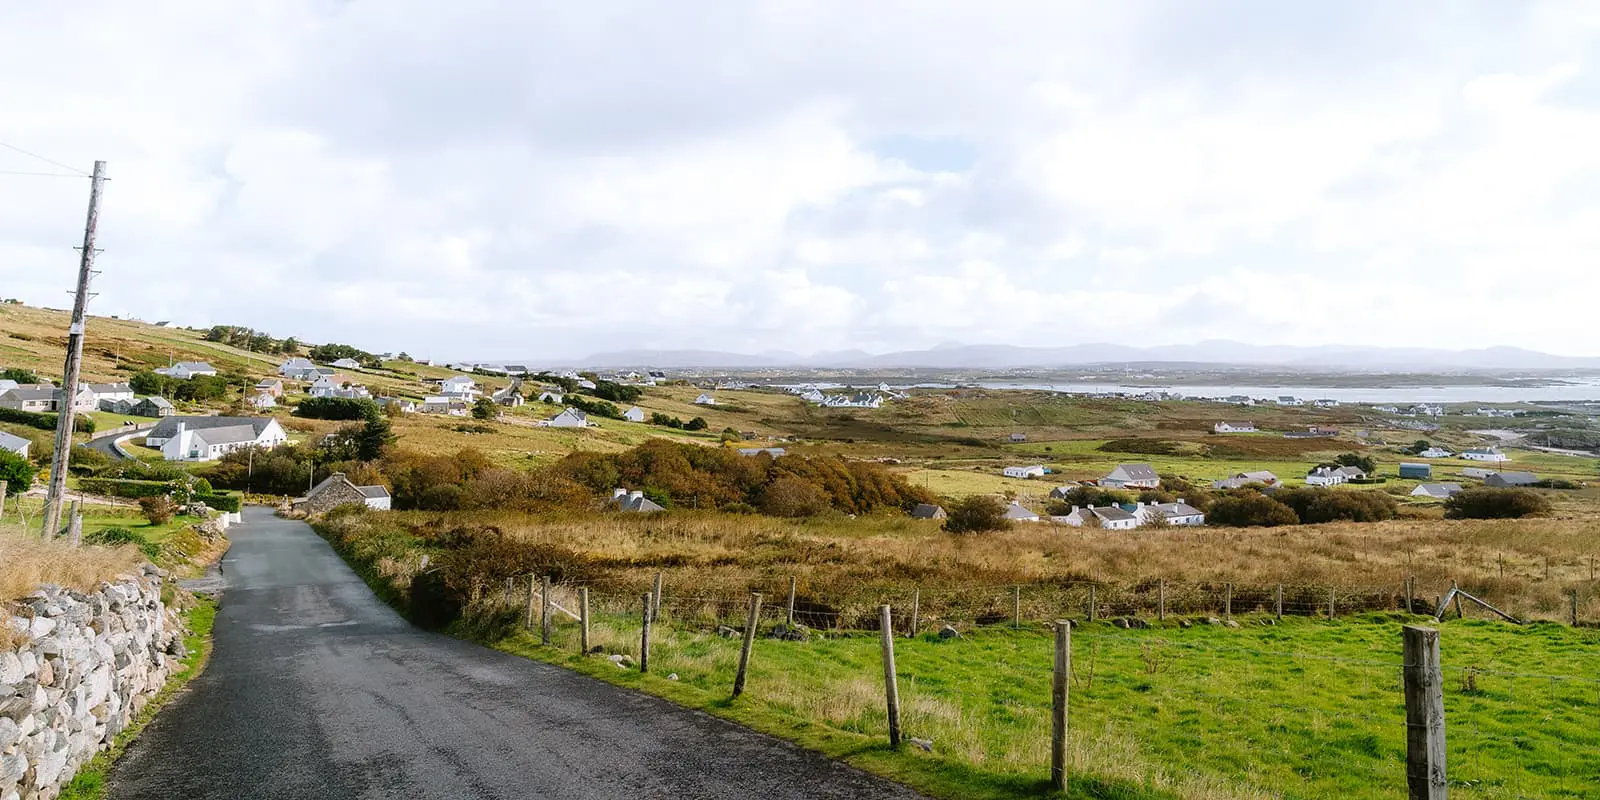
117 398
1333 476
1122 516
210 438
184 370
814 395
1418 410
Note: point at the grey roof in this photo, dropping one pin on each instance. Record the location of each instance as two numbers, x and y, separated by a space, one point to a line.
158 402
168 427
229 434
193 366
1514 478
108 388
12 442
31 393
1439 489
1016 511
1136 472
1111 513
1415 465
927 511
372 491
1353 472
1176 509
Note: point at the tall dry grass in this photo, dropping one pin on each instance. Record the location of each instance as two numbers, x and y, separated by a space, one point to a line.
850 565
26 562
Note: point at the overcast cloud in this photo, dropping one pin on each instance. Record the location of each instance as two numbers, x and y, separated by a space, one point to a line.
549 179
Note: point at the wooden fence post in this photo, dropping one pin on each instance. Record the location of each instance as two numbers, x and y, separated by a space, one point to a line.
1058 705
1411 591
644 635
916 610
1092 603
3 516
1016 606
583 619
1161 599
1332 604
527 621
1424 682
655 601
749 642
506 599
1574 593
789 620
75 525
544 610
891 688
1457 595
1277 601
1227 600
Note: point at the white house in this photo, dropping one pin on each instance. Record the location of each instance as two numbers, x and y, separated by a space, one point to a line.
92 396
569 418
459 386
585 383
1436 452
1234 427
1132 476
1325 402
1477 472
444 404
1035 471
184 370
1510 479
635 414
1438 491
1108 517
511 396
1333 476
1017 513
1239 479
775 452
814 396
271 386
705 400
405 406
633 502
347 363
214 437
1179 513
38 397
1485 454
263 401
296 368
551 396
14 444
1289 400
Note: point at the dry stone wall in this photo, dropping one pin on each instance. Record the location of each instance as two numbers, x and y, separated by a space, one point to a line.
82 666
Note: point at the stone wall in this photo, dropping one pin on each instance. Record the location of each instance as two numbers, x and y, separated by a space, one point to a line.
81 666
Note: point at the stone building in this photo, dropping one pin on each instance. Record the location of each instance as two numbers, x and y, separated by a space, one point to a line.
337 490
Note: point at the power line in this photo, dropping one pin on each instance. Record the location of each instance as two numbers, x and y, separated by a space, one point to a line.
45 160
38 174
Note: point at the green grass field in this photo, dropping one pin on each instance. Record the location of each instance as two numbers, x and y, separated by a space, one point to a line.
1303 709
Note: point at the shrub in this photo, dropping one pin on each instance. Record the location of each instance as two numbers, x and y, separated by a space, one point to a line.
1316 505
81 423
350 408
696 424
977 514
484 408
159 510
130 489
1366 464
17 472
1249 510
1483 502
117 536
1151 447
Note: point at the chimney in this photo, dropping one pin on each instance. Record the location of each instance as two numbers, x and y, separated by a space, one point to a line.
1182 501
336 475
635 495
618 492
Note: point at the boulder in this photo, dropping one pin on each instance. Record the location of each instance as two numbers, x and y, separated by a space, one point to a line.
948 632
727 632
1213 621
789 633
621 660
1232 623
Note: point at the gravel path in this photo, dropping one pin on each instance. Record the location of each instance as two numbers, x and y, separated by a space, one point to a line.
318 690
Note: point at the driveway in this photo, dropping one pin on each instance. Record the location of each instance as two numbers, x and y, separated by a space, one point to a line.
317 690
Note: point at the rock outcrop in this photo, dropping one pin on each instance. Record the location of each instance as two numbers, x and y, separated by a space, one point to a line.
85 665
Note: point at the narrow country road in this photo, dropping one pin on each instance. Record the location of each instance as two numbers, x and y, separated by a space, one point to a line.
318 690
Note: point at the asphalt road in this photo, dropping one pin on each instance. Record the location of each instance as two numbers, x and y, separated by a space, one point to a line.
317 690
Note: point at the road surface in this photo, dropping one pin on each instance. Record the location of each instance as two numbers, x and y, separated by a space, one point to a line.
317 690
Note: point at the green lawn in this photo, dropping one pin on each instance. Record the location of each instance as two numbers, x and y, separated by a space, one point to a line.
1304 709
105 421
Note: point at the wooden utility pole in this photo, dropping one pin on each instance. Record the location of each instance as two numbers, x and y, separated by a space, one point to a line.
69 375
583 619
644 635
891 686
1424 688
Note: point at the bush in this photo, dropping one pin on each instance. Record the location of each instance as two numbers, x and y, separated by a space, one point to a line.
977 514
1316 505
350 408
1483 502
696 424
158 510
1250 510
1149 447
115 537
483 408
17 472
223 502
130 489
45 422
1366 464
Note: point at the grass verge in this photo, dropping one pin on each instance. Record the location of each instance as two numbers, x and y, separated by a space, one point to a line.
90 782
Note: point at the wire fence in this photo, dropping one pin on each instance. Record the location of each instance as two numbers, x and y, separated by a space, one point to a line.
1211 712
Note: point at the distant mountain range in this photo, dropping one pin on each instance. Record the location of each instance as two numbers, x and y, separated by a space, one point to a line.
1216 352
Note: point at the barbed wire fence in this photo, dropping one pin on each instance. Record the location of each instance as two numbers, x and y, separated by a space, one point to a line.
1329 724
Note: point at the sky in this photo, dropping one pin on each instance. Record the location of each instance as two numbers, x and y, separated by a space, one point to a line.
544 180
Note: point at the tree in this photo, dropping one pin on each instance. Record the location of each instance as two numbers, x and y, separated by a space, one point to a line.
351 408
19 375
484 408
1420 445
291 346
696 424
791 496
1366 464
1484 502
17 472
979 513
375 437
1250 509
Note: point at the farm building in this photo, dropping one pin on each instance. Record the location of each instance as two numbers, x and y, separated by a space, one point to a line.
1132 476
1413 470
1035 471
928 511
1509 479
1438 491
1485 454
1017 513
1234 427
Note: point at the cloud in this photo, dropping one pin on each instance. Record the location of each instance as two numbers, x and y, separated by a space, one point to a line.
543 180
